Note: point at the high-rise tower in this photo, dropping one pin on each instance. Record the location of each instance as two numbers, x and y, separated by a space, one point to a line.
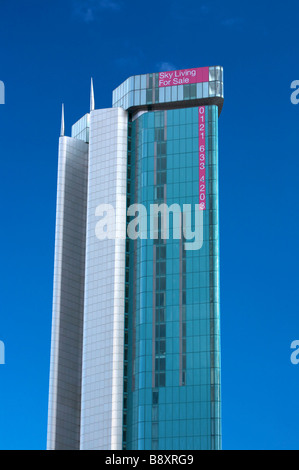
135 356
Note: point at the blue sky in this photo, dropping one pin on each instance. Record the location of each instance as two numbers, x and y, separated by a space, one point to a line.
49 51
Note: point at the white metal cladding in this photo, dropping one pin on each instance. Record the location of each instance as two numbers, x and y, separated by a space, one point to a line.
103 342
80 130
68 296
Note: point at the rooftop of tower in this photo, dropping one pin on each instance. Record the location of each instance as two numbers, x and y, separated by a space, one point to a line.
171 89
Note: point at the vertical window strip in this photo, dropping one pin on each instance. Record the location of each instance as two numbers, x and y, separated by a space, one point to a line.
182 314
126 312
159 281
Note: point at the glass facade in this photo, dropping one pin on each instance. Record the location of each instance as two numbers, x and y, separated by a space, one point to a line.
173 338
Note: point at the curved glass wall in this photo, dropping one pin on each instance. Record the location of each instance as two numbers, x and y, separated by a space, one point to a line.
142 90
173 337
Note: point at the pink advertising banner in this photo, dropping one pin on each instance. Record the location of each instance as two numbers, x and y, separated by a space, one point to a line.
202 157
184 77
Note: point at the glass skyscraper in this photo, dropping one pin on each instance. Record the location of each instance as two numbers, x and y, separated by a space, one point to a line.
135 355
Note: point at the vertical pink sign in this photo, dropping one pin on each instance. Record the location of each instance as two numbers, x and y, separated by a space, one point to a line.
202 157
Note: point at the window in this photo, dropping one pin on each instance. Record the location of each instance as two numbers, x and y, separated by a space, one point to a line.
160 192
155 398
160 299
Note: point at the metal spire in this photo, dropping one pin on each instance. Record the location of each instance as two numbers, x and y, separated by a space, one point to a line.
62 130
92 103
